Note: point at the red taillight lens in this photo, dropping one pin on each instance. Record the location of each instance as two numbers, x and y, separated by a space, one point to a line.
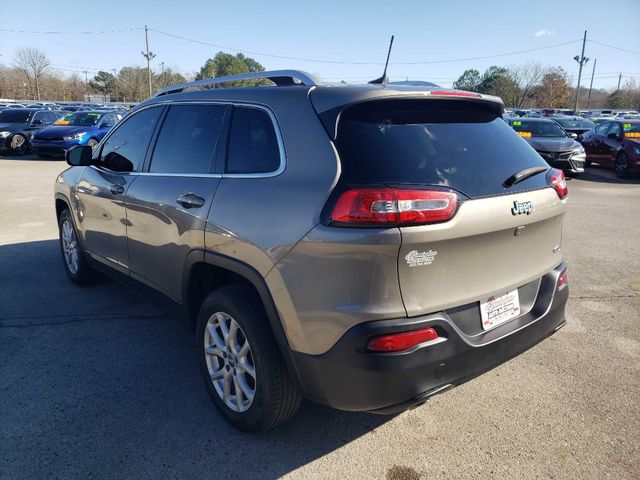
555 179
563 279
402 341
394 206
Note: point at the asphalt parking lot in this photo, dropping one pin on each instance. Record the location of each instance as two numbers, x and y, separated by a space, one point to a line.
97 383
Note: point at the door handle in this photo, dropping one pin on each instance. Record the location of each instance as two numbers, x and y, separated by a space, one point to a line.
116 189
190 200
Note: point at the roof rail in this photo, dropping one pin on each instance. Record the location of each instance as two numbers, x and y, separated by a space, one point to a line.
279 77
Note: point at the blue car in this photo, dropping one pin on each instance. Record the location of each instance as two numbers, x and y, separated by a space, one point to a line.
78 128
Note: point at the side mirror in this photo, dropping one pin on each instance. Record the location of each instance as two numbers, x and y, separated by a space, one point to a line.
37 122
105 125
79 156
573 135
613 136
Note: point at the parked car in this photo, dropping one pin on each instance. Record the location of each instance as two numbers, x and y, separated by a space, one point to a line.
575 125
17 126
615 144
364 247
552 143
78 128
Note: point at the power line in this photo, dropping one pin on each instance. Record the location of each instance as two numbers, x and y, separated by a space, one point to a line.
352 62
98 32
614 47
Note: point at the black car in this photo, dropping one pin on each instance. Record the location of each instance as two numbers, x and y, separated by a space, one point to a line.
18 125
551 142
575 124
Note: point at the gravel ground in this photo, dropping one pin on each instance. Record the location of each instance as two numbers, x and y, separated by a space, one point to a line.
97 383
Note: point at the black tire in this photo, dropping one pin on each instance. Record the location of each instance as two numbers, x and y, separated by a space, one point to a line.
83 274
23 148
93 143
622 165
276 398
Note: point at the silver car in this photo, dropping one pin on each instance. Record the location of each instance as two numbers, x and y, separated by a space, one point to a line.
365 247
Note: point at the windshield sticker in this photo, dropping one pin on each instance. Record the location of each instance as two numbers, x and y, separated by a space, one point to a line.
627 126
525 134
517 123
62 121
420 259
632 134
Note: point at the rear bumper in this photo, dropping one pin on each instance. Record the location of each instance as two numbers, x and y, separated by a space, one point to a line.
348 377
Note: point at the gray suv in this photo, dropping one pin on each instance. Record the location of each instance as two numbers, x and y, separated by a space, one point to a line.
365 247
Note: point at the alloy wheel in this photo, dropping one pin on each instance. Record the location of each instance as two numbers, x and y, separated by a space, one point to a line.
230 362
70 246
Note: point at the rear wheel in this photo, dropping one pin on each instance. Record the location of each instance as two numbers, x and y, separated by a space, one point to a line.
93 143
622 165
19 144
241 363
75 264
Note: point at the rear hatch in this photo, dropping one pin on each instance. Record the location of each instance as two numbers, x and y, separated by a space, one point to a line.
496 236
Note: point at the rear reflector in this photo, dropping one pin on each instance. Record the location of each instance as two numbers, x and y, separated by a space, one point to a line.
402 341
394 206
563 279
555 179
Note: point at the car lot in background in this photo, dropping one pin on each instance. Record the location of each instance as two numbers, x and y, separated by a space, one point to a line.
17 127
79 128
551 142
615 144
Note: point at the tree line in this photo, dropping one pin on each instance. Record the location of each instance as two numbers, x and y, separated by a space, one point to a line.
537 85
31 76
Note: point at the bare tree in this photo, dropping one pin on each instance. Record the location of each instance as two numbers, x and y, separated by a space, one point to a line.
33 64
526 77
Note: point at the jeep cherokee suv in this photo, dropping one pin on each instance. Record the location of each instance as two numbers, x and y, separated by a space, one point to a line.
362 246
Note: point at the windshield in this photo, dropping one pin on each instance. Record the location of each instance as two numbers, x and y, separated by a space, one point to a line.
14 116
79 119
450 144
631 130
538 129
578 123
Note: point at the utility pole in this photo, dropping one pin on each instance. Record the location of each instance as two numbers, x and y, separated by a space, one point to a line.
162 76
582 60
619 80
148 55
115 82
86 86
593 72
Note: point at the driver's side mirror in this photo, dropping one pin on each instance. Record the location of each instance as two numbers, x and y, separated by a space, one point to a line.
105 125
573 135
37 122
613 136
79 156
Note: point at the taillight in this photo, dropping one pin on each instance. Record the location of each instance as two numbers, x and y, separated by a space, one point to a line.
394 206
397 342
563 279
555 179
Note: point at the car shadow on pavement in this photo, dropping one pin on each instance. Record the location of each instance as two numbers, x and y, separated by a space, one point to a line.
98 383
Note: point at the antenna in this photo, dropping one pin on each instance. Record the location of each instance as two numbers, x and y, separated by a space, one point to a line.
383 79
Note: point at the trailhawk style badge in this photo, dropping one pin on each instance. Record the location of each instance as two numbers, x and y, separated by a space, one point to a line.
520 208
419 259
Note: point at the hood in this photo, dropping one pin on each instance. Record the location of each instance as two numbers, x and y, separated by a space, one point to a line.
58 131
553 144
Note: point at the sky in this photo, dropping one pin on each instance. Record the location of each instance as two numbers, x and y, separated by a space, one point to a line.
450 34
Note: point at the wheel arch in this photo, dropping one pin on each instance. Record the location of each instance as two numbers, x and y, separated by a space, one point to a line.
207 271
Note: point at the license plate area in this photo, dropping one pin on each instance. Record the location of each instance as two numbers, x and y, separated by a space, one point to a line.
499 309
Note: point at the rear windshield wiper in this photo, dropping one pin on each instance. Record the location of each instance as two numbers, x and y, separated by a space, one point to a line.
523 175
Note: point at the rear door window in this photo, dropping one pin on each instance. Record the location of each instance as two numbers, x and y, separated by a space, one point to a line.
435 142
253 145
187 139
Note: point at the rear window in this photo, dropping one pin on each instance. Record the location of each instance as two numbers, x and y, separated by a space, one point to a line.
578 123
435 142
